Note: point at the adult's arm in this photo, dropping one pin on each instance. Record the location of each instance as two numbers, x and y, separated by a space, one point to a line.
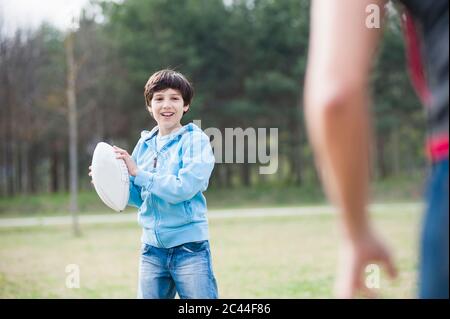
341 54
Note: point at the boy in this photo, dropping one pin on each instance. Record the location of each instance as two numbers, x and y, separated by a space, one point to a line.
169 169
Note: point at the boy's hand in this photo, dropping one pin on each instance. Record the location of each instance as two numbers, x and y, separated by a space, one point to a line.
355 256
131 165
90 173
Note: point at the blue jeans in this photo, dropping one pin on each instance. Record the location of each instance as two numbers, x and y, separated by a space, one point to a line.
433 277
185 269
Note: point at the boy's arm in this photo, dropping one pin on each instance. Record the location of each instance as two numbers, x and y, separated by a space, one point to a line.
341 55
193 176
135 194
135 191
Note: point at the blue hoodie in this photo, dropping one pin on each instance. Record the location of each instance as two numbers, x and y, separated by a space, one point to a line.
168 187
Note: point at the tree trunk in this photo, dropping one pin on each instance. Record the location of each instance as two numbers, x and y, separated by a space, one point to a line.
2 167
54 163
228 175
32 173
100 122
382 170
25 169
9 139
66 173
73 133
217 181
295 152
246 174
396 152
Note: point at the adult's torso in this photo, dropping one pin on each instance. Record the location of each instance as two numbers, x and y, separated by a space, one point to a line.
431 21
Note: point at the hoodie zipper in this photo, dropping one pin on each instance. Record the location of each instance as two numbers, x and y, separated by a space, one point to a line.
155 161
158 218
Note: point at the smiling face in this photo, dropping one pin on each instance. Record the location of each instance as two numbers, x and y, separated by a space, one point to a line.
167 108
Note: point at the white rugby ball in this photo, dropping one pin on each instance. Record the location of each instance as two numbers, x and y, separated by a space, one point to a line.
110 177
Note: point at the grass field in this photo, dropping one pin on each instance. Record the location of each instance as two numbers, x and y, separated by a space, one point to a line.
269 257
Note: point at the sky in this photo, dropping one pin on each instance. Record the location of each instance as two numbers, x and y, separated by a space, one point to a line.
30 13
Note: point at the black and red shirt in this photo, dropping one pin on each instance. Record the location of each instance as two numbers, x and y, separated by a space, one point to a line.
426 27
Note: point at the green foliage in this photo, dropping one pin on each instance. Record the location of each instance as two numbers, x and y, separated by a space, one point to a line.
247 61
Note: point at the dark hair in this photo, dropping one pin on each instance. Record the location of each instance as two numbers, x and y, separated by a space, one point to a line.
168 79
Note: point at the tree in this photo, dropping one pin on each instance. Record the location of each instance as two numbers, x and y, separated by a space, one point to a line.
73 129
